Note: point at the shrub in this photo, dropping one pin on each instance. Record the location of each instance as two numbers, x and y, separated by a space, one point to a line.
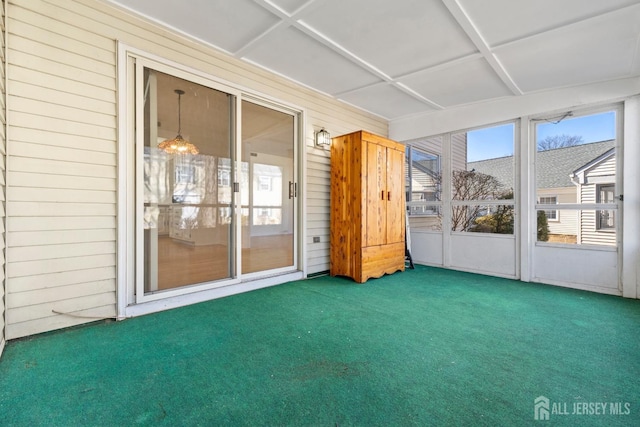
543 227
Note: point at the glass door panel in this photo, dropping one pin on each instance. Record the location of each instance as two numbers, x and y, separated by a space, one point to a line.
576 168
267 188
187 196
577 180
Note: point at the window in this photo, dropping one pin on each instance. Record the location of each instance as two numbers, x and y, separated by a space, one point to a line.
264 183
482 180
605 219
224 179
423 180
552 215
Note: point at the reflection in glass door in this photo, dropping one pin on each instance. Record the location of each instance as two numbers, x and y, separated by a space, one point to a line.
187 201
267 188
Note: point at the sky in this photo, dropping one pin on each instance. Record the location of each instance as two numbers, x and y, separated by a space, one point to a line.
497 141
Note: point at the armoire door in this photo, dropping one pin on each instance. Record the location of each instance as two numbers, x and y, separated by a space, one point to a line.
395 192
376 201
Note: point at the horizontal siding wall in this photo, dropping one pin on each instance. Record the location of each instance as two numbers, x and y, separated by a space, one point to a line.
61 172
61 167
604 169
566 221
3 151
589 234
318 200
605 173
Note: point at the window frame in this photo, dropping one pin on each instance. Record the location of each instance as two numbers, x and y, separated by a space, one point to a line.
556 216
599 213
436 202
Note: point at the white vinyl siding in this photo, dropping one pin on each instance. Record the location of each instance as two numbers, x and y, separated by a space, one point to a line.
601 173
459 151
318 188
3 145
552 215
62 163
604 169
566 222
61 172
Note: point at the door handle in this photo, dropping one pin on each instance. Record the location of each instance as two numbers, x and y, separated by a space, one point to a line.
389 195
291 190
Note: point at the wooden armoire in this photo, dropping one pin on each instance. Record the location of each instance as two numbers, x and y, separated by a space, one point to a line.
367 206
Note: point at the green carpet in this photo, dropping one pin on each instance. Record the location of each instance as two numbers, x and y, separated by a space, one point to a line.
424 347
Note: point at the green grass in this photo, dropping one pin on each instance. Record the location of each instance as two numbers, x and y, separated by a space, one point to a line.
424 347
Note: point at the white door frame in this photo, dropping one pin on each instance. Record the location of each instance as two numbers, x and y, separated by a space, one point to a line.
588 267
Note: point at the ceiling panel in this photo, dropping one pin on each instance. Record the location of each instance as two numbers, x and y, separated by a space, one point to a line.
590 51
500 21
385 100
289 6
401 57
396 37
290 52
243 19
462 82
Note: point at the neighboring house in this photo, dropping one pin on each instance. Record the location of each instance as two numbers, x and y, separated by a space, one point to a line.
556 183
596 184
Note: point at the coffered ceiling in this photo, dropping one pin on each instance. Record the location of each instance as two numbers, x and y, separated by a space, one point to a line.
398 58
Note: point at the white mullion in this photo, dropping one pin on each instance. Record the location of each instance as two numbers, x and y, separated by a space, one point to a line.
445 195
577 207
519 217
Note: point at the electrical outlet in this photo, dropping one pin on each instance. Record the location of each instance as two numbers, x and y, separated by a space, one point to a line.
316 239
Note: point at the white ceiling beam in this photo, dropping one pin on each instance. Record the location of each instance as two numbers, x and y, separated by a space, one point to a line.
286 20
472 32
299 24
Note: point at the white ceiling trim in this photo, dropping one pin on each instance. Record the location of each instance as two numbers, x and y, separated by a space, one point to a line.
286 20
406 89
435 69
336 47
472 32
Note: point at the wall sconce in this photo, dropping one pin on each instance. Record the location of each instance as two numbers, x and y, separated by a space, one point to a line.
323 138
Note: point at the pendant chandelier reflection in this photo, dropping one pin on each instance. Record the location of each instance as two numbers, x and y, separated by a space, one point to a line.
178 145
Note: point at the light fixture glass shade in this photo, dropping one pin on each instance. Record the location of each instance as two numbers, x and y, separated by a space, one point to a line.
178 145
323 138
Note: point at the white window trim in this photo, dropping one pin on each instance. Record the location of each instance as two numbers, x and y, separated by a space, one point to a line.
557 215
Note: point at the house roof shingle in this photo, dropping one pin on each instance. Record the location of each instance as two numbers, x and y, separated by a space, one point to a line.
554 167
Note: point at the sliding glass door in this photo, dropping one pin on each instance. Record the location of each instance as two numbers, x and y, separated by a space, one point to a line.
188 209
216 196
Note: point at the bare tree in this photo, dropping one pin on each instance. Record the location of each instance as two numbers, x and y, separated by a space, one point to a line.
471 185
552 142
